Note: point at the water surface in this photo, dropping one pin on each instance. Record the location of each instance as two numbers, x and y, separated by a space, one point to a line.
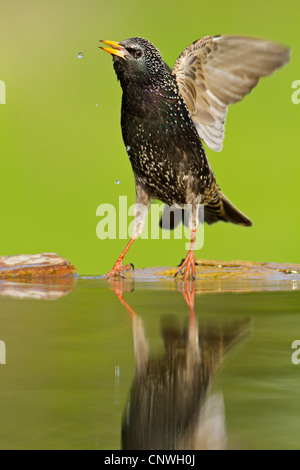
101 360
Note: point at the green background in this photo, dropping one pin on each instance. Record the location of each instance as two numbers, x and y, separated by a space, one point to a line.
61 154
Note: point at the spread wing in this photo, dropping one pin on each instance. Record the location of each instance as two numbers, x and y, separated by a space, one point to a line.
216 71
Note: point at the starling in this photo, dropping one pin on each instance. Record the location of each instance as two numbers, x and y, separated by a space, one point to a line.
168 114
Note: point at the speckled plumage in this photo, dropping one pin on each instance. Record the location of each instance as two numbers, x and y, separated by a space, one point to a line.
166 153
167 113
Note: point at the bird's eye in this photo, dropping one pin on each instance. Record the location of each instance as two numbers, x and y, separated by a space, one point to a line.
138 53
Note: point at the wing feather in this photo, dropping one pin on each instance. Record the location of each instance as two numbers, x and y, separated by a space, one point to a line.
216 71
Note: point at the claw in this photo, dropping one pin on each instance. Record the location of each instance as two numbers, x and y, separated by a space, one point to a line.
118 268
187 267
188 264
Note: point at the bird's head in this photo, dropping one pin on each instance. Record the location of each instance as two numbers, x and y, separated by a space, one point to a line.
136 60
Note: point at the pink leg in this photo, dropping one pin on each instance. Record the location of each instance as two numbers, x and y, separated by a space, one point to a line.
118 266
189 263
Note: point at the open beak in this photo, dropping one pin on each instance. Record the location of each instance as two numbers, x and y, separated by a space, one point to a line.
114 49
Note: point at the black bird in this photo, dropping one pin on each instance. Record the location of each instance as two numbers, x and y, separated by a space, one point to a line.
166 114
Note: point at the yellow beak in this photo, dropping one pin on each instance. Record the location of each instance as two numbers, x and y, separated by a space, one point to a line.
114 49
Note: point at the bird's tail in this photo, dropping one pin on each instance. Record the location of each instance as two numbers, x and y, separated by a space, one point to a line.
218 208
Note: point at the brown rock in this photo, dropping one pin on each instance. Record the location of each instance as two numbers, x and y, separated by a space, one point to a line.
27 267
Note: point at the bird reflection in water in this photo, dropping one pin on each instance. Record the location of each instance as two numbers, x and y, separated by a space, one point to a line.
170 405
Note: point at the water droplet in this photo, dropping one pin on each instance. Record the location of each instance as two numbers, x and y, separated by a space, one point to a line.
79 55
118 182
127 148
97 105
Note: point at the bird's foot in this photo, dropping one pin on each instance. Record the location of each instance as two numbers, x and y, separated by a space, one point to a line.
188 267
118 269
